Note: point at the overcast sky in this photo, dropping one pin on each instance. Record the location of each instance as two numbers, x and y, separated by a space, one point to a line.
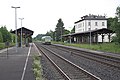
42 15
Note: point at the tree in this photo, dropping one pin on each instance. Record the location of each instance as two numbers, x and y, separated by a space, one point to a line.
73 30
1 38
5 34
13 37
59 30
110 22
39 37
51 34
116 25
66 31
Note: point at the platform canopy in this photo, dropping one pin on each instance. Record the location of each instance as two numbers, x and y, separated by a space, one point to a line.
97 31
25 32
84 37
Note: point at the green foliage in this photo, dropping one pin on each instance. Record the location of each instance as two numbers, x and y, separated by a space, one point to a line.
101 47
5 34
39 37
110 23
1 38
2 45
114 24
66 32
59 30
73 30
37 68
51 34
13 37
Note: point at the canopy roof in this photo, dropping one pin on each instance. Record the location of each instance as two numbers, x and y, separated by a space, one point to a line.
97 31
25 32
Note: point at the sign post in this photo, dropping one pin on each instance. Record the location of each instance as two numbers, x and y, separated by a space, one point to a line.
7 45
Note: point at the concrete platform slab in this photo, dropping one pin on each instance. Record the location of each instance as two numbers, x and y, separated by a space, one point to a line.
13 65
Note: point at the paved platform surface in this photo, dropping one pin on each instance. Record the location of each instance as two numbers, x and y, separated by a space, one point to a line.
93 51
17 65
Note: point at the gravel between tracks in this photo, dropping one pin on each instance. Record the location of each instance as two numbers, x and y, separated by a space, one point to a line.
49 71
103 71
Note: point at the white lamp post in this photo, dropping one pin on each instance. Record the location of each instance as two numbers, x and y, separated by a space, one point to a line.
16 24
21 30
90 32
70 35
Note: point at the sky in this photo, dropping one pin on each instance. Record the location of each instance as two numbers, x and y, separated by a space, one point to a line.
42 15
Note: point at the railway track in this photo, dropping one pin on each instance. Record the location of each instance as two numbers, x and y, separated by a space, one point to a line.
106 60
100 67
67 69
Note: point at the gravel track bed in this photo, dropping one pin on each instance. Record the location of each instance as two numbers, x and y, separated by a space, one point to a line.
103 71
100 58
49 71
71 71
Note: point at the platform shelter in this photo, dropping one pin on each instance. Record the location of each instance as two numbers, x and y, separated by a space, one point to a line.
26 35
84 37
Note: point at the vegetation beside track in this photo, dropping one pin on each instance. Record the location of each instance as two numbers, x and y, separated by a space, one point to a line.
107 47
37 67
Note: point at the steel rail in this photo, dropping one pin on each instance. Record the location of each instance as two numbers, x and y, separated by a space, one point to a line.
57 67
78 67
91 58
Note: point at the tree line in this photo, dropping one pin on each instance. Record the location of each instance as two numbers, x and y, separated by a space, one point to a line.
5 35
112 23
57 34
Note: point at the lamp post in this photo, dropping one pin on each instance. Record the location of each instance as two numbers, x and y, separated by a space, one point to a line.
70 35
61 34
21 30
90 32
15 24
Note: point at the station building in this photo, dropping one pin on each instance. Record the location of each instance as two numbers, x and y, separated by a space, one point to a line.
92 27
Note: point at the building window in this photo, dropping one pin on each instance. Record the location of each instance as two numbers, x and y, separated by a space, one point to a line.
89 29
96 24
89 23
103 24
78 25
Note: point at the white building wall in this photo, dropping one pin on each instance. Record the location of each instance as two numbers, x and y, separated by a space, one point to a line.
93 26
79 27
84 26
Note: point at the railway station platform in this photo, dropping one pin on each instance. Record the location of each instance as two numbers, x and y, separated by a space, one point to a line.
108 54
17 65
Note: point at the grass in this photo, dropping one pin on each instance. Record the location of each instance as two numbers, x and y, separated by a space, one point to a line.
2 45
107 47
37 68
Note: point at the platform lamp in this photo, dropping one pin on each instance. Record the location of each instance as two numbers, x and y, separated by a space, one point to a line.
90 32
21 30
70 34
15 24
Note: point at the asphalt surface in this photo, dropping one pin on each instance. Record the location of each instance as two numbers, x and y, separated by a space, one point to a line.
12 66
